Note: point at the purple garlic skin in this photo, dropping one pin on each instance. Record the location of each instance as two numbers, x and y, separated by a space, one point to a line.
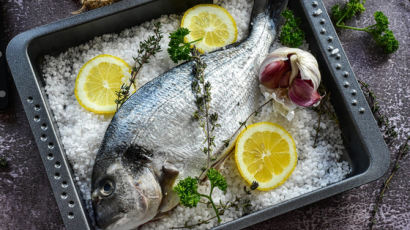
294 69
276 75
302 93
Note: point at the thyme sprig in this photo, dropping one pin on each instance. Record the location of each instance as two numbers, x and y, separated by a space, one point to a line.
202 93
3 163
191 226
147 49
403 150
179 50
389 130
232 137
243 123
187 189
390 134
323 109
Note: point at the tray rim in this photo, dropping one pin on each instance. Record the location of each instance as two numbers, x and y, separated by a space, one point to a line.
22 70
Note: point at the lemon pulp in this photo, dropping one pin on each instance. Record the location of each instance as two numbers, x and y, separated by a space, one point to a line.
99 80
210 23
265 153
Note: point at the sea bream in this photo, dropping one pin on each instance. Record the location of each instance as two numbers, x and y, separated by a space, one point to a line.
152 141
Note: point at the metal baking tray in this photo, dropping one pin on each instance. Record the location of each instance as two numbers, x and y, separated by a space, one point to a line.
366 153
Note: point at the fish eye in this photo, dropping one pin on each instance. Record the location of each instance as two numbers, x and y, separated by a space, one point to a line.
107 188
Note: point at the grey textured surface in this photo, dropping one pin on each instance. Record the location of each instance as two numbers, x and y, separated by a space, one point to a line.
26 200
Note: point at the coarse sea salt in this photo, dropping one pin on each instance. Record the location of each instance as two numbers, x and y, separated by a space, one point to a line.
82 131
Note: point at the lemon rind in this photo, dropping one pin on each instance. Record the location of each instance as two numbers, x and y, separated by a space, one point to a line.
286 172
78 86
202 48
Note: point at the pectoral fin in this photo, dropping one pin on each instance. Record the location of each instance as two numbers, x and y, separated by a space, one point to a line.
167 179
222 154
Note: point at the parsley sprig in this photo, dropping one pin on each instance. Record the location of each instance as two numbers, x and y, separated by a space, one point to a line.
341 14
291 35
187 190
380 31
179 50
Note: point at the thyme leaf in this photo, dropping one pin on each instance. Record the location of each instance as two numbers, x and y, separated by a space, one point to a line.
147 49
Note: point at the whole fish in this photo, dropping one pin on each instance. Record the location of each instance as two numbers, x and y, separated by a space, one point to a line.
152 141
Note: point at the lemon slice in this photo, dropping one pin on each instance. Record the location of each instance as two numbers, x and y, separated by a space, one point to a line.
98 81
210 23
265 153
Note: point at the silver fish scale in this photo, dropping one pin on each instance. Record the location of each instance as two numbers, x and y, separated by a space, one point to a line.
158 116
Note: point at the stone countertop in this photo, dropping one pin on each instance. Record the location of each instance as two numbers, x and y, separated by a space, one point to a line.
26 199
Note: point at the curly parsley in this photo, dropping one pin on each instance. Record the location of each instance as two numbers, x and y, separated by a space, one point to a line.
380 31
291 35
187 190
217 180
341 14
179 50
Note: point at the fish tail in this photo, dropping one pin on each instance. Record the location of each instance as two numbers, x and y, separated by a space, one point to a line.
272 7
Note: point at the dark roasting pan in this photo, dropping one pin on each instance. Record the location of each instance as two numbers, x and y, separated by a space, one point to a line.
366 152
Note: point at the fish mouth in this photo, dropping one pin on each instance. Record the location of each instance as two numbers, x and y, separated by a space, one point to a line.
105 222
120 222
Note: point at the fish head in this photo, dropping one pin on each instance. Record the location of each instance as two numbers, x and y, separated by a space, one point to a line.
123 196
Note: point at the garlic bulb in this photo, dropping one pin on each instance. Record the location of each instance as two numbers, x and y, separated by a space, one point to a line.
295 70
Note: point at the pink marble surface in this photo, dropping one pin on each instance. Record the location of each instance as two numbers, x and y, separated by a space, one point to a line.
26 200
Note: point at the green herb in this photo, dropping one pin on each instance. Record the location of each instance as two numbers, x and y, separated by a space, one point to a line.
389 136
380 32
291 35
187 190
323 109
403 150
179 50
202 92
389 130
191 226
241 125
341 14
147 49
3 163
217 180
253 186
240 202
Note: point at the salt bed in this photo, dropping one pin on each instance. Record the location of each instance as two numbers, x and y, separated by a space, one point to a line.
82 131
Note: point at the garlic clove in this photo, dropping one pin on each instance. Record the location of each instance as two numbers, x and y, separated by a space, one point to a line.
275 74
303 93
301 62
295 70
284 80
